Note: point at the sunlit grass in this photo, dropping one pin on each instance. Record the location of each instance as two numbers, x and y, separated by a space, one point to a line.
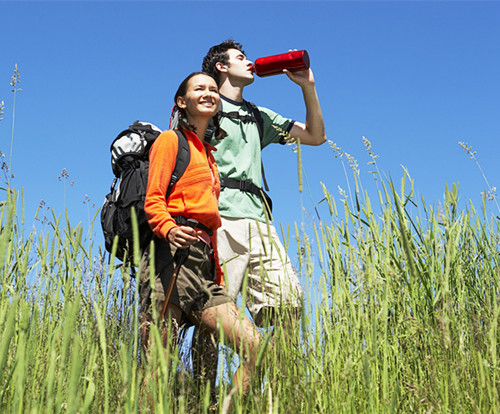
401 315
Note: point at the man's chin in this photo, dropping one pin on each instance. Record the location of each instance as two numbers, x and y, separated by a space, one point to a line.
249 81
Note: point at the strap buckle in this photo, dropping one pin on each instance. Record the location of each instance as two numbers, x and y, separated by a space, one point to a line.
180 220
195 224
246 185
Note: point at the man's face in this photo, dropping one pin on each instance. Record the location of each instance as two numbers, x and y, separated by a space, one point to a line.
239 68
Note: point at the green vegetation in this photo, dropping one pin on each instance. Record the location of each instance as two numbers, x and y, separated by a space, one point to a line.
402 316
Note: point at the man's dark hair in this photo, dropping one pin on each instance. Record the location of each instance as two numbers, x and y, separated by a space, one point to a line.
218 53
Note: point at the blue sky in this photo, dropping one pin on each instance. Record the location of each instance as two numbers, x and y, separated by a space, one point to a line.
412 77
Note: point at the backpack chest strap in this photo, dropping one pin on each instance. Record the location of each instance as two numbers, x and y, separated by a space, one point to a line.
236 115
249 187
242 185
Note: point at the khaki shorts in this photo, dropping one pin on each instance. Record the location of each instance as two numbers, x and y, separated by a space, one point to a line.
194 290
245 244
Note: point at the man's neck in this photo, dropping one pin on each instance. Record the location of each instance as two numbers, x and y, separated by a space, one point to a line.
232 92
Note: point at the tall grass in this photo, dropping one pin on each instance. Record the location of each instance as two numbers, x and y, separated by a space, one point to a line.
401 315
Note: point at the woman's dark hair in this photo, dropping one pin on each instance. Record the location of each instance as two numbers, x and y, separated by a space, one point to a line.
219 133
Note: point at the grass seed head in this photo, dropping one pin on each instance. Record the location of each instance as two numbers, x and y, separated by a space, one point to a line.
336 149
467 148
15 80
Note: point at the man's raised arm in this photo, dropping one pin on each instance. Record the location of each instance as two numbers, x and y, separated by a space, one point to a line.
313 131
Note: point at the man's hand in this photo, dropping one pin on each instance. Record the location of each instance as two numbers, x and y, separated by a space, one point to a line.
182 236
303 78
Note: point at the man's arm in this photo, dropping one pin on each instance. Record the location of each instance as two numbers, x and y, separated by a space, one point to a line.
313 131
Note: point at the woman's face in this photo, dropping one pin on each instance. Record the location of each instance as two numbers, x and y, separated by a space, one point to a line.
201 98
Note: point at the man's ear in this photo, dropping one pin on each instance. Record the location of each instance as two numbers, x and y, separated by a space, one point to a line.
221 67
181 103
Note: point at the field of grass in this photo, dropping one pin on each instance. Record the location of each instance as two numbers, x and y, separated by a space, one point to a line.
402 315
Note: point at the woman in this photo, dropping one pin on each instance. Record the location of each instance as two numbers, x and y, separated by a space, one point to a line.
198 296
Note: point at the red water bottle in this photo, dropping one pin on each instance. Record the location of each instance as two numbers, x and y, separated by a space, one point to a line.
274 65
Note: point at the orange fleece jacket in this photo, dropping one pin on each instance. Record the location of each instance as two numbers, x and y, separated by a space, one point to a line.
194 196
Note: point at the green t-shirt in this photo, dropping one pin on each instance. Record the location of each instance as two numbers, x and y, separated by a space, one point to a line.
238 157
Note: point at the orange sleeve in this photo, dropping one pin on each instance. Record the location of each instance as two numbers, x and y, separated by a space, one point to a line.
162 158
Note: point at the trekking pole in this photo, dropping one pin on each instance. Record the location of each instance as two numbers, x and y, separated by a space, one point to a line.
181 255
145 303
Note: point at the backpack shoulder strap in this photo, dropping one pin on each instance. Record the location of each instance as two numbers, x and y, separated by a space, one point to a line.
260 126
254 117
258 119
181 161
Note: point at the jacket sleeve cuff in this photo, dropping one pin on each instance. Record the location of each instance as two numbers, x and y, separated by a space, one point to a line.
169 225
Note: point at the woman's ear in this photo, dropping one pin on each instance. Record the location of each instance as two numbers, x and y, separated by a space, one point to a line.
181 103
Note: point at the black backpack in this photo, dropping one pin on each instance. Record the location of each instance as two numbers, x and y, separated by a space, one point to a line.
130 164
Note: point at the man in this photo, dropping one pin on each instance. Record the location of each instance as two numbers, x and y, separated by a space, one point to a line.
272 282
247 242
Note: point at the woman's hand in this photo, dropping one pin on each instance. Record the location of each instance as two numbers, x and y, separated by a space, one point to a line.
182 236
